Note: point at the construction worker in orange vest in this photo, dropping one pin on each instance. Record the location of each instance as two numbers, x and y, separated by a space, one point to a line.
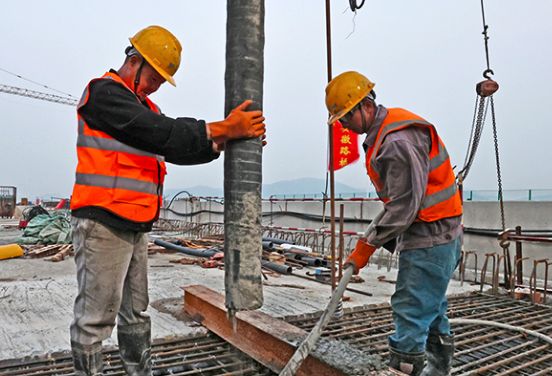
123 143
410 169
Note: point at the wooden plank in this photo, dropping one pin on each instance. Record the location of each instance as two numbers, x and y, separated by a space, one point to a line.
269 341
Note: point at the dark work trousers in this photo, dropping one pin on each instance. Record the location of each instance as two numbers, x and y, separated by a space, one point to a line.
112 280
419 303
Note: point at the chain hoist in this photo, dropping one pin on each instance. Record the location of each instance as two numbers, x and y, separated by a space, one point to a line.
484 99
485 90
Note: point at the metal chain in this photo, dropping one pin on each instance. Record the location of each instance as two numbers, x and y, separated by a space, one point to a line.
475 136
472 130
498 167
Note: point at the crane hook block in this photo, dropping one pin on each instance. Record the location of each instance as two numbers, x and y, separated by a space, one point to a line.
486 88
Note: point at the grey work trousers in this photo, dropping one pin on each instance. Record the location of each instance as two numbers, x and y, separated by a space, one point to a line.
112 280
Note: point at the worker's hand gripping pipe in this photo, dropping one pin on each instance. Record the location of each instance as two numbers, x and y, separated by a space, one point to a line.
305 348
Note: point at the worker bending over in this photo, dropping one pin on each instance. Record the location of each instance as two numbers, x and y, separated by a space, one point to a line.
123 143
409 166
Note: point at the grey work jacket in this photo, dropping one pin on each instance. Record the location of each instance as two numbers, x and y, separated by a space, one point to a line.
403 160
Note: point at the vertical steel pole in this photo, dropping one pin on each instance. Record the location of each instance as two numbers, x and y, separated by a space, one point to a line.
341 238
519 256
243 158
332 171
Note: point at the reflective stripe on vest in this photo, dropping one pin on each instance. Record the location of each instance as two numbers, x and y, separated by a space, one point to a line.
109 144
115 176
103 181
442 198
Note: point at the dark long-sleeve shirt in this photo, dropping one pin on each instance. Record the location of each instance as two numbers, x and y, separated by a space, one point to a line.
403 162
115 110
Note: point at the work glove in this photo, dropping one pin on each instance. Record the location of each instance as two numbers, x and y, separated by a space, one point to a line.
360 256
239 124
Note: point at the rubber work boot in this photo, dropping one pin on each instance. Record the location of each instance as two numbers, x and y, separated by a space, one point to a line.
87 359
439 351
135 348
408 363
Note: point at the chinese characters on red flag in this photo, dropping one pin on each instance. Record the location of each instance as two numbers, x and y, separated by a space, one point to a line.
345 146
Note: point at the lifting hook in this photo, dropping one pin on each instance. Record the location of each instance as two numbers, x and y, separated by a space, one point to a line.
488 87
487 72
503 237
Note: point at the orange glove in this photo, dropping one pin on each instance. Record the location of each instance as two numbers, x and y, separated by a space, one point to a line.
360 256
239 124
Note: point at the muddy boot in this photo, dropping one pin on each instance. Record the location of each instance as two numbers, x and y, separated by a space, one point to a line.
408 363
87 359
439 351
135 348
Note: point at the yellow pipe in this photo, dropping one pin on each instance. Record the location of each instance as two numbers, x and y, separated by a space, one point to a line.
10 250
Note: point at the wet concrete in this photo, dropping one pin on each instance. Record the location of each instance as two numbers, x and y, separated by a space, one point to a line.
345 357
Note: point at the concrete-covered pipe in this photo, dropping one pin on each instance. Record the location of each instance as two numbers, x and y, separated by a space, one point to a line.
243 158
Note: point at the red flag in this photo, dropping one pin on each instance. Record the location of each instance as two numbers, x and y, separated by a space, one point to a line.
345 146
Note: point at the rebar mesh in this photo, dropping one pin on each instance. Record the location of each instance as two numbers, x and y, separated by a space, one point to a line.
206 355
480 349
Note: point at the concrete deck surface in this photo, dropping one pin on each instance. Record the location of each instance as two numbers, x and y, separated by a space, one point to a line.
36 298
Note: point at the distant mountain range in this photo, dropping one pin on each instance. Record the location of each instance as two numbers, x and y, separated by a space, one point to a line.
298 187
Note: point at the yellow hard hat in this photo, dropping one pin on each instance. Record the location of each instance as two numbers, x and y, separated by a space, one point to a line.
344 92
160 48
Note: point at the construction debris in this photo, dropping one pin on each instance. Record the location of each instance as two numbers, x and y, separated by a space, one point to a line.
185 261
46 229
284 285
45 251
64 251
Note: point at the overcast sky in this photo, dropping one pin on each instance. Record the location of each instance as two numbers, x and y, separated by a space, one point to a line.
425 56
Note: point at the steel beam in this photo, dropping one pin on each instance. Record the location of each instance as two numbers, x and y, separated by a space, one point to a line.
269 341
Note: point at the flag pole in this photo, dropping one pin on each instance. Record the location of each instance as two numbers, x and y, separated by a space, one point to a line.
331 131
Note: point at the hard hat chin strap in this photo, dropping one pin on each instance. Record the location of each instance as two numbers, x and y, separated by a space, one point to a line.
364 129
137 78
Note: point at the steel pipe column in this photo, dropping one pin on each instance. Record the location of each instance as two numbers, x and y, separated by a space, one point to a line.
243 158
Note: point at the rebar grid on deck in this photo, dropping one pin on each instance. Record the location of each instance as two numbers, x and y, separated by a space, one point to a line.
206 355
481 350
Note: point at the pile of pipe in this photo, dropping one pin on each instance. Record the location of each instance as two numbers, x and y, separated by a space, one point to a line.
295 255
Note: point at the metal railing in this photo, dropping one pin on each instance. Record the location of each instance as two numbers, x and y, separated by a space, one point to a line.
509 195
469 195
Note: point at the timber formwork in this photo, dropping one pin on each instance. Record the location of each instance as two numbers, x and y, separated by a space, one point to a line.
480 349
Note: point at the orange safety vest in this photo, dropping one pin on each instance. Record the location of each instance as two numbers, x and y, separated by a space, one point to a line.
110 174
442 198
